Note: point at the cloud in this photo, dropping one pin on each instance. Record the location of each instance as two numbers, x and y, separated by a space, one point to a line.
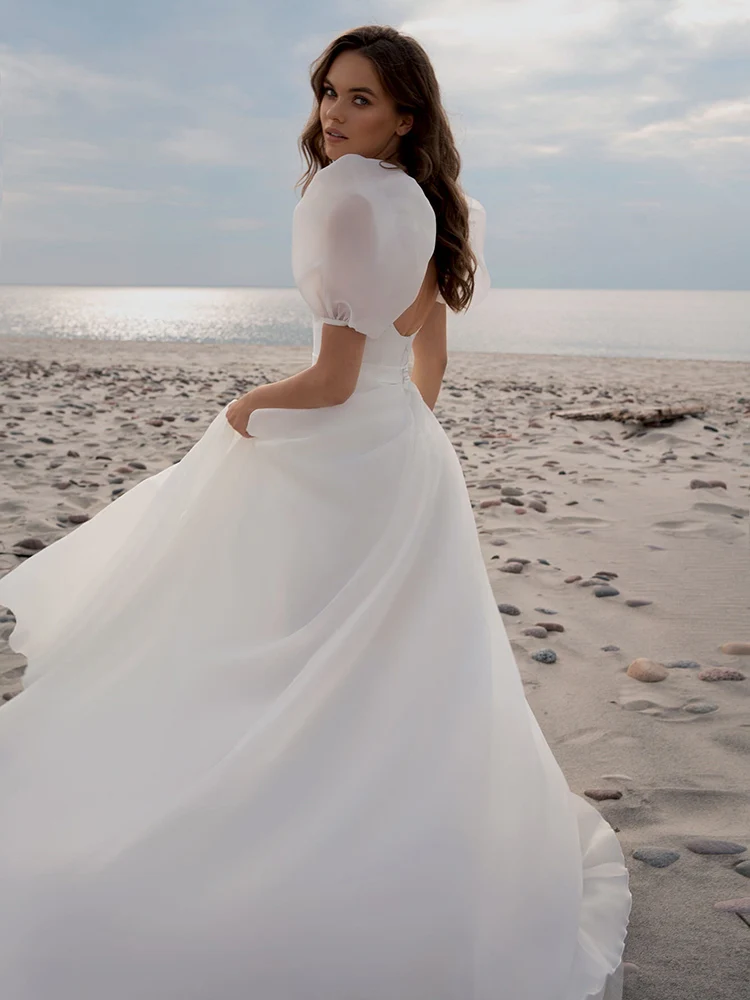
716 135
36 83
524 78
508 42
593 130
199 145
233 140
240 225
697 15
25 156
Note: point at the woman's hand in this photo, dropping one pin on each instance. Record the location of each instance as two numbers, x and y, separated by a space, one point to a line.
238 413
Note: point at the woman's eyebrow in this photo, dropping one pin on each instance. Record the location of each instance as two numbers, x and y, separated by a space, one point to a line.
352 89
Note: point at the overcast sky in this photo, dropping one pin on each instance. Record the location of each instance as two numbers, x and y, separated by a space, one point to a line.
155 142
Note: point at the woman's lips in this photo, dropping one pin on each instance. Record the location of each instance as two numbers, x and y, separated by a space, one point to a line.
335 138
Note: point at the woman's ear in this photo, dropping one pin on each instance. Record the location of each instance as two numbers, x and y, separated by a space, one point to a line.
405 124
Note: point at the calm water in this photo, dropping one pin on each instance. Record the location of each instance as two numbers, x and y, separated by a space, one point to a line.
651 324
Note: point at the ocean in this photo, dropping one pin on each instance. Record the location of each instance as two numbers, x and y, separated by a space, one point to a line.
710 325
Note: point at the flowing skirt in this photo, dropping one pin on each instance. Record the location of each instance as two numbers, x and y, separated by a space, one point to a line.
273 743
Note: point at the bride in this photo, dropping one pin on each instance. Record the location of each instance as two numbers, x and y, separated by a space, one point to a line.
273 743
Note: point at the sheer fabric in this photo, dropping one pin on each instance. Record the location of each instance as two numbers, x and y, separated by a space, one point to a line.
361 226
477 234
273 741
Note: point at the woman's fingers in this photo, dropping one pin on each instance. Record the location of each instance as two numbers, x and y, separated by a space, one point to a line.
237 418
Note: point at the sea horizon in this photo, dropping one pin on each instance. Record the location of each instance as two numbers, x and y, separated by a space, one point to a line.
698 324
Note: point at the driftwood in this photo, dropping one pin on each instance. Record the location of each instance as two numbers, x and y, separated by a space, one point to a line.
633 414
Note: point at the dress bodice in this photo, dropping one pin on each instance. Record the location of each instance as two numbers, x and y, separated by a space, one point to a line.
385 358
362 238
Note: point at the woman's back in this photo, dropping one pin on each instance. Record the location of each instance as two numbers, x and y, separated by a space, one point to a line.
363 245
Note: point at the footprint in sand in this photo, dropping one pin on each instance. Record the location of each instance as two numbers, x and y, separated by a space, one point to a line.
664 705
735 738
684 527
582 737
11 506
723 530
694 804
722 508
572 521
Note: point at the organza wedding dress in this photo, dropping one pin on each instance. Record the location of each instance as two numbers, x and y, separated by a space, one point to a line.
273 743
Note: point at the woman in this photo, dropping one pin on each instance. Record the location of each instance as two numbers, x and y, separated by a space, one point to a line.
273 743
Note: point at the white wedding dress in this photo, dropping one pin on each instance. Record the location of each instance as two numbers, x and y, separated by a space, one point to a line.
273 743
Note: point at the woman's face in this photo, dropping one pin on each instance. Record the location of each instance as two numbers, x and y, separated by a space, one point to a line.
355 105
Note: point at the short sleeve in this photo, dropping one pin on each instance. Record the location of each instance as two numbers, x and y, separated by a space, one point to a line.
477 231
363 235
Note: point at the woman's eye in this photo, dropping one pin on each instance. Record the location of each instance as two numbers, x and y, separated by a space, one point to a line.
357 98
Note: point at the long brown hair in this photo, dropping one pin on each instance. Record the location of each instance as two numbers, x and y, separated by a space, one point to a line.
428 151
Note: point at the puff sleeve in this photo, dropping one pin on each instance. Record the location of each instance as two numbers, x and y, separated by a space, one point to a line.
362 237
477 231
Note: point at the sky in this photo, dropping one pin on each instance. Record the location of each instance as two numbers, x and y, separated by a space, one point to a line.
155 142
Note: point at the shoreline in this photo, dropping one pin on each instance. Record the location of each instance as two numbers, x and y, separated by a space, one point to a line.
15 342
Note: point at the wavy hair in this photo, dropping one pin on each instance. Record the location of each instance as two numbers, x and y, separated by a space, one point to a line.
427 152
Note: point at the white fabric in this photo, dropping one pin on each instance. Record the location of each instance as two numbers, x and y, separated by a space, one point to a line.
477 234
273 742
354 212
352 216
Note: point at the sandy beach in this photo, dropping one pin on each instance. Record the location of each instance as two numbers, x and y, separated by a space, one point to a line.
642 691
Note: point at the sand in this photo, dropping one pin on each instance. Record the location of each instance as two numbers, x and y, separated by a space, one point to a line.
579 497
